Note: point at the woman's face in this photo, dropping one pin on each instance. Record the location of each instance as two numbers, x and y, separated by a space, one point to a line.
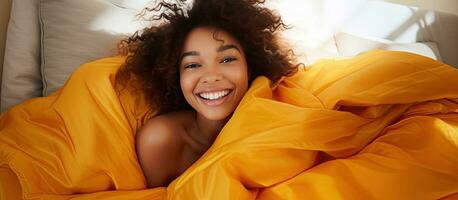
213 73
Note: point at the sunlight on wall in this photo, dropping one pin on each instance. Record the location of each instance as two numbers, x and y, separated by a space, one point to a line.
315 21
120 17
448 6
391 22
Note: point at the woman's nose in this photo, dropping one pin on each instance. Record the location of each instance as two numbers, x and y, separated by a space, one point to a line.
211 76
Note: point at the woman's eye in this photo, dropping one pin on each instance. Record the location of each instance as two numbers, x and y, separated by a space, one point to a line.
193 65
229 59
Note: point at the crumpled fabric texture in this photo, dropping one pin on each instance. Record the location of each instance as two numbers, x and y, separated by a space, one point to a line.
382 125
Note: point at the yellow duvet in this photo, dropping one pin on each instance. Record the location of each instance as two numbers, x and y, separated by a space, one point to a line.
382 125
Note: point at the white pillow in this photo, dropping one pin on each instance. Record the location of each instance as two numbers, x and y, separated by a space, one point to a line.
78 31
21 78
350 45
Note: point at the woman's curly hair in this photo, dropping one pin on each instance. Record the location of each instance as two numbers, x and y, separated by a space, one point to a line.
153 54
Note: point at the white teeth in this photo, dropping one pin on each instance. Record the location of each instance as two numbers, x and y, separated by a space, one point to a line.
214 95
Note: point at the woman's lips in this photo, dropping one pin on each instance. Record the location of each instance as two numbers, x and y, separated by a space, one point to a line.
214 102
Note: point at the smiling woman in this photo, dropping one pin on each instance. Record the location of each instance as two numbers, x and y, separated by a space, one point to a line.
213 74
194 69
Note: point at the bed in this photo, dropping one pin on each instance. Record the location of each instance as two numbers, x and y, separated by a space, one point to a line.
67 34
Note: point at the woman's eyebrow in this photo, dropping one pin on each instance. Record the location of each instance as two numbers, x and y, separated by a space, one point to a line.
189 53
228 46
220 49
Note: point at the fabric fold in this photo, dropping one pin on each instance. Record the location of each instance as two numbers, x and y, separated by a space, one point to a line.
381 125
340 129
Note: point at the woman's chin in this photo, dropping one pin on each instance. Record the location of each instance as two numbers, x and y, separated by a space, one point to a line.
215 116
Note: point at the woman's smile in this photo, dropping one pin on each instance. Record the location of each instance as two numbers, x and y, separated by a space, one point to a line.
214 98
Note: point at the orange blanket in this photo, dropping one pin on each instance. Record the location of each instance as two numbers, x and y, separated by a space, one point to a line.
381 125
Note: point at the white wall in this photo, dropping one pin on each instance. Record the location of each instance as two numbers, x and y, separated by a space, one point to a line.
448 6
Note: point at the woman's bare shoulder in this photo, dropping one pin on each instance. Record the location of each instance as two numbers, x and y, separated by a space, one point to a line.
170 125
162 126
159 146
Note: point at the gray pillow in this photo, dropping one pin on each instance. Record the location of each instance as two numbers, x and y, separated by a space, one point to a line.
76 32
21 78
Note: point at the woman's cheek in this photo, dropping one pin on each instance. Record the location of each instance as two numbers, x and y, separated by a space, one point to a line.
242 77
186 83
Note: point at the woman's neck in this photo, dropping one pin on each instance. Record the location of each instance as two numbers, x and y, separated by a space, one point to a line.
205 131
